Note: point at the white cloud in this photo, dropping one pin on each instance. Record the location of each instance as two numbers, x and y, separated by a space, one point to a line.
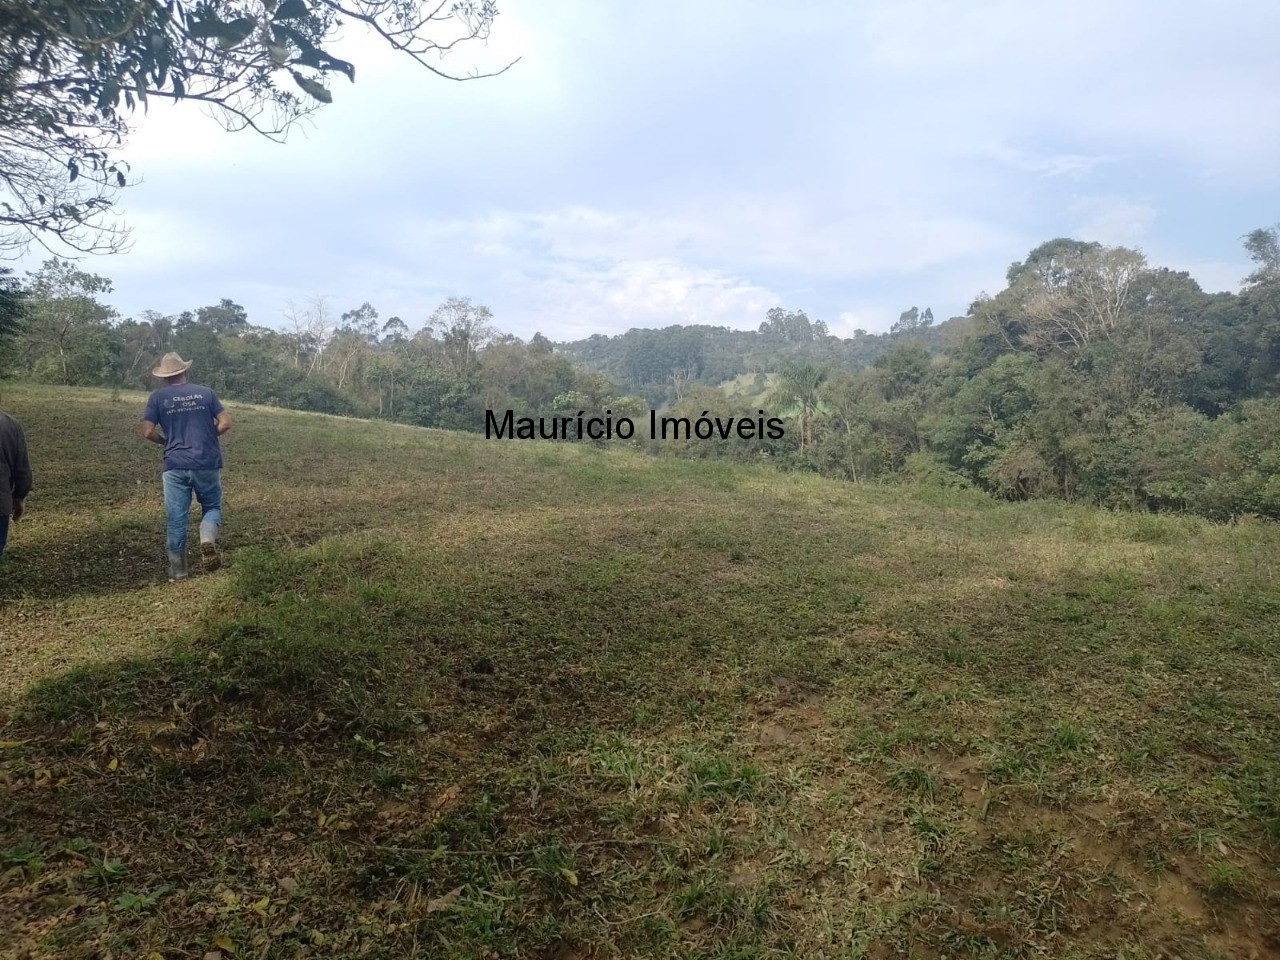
1114 221
1073 166
616 268
871 318
1214 276
649 165
583 300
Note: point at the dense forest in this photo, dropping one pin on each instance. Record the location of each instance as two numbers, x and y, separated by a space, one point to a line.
1092 375
658 364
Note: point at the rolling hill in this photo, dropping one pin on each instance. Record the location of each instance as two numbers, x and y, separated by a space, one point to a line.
457 697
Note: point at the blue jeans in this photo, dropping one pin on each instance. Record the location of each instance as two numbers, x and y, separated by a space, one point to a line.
179 485
4 533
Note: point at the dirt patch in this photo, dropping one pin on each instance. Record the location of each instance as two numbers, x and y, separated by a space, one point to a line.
795 720
964 773
1172 895
399 815
745 875
776 735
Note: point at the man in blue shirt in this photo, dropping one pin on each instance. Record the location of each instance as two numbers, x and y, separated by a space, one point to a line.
190 420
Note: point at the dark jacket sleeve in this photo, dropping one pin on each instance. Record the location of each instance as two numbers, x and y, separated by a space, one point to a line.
21 474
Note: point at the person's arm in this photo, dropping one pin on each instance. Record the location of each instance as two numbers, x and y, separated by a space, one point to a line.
151 417
149 432
221 419
21 477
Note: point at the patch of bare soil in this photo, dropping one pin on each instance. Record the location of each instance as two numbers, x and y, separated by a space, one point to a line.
791 723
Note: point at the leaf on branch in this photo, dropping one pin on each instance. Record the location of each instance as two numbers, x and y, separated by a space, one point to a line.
292 10
309 57
333 63
316 90
110 94
319 60
282 35
206 27
236 32
74 168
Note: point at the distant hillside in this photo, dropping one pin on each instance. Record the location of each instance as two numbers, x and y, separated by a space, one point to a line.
646 361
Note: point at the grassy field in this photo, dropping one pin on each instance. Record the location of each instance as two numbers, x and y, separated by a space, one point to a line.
463 698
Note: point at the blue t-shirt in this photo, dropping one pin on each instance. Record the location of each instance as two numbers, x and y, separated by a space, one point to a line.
186 415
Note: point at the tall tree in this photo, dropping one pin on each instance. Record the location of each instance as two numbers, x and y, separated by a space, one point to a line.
66 321
12 312
463 328
1066 294
801 384
907 321
226 316
363 321
1261 298
310 327
1084 304
395 331
793 327
1263 246
142 342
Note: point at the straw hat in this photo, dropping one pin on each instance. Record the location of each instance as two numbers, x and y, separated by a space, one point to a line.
170 366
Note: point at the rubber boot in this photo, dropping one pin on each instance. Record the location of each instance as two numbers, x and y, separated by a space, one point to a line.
210 556
177 566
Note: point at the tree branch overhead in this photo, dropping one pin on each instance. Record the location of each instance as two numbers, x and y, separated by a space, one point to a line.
73 72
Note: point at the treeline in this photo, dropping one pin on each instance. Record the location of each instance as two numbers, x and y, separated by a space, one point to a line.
660 365
444 374
1090 376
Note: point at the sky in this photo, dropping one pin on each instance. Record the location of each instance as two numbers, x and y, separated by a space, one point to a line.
702 162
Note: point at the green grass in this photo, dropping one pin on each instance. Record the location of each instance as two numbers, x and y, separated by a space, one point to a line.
459 698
